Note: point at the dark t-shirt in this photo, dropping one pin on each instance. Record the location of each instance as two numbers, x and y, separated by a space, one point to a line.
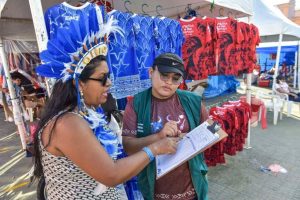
162 112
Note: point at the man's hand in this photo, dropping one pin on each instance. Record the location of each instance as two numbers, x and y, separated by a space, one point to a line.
170 129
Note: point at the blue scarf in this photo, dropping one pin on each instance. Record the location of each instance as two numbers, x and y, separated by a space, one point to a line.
107 138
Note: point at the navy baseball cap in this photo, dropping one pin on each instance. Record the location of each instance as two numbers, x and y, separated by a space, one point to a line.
169 63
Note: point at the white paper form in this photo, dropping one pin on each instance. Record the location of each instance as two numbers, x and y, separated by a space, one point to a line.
192 143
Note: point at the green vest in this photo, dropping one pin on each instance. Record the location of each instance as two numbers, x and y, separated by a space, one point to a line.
191 104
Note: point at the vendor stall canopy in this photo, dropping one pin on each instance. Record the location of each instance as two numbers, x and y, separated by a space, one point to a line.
16 21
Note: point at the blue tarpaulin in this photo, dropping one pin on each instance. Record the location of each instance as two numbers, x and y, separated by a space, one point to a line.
270 50
266 60
220 85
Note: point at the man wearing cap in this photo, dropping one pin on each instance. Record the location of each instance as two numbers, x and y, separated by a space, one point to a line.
164 111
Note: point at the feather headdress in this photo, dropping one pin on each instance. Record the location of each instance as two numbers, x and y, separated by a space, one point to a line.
68 54
75 46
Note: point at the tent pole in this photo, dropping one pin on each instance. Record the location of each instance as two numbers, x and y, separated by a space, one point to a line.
295 70
14 99
39 24
248 97
40 31
298 66
277 62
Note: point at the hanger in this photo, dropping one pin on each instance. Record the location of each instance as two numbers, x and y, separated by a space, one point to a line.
198 12
230 14
189 12
159 7
221 12
125 6
235 15
143 11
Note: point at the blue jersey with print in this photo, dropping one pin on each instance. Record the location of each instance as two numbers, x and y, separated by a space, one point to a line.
61 15
122 57
143 30
168 36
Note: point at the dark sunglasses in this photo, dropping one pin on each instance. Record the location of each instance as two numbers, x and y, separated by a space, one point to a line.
102 80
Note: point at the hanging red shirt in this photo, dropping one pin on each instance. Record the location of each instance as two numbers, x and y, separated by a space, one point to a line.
194 32
226 39
208 54
254 40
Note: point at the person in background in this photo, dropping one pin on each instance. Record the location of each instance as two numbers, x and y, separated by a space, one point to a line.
160 112
282 87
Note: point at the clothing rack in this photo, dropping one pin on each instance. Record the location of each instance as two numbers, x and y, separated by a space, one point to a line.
235 97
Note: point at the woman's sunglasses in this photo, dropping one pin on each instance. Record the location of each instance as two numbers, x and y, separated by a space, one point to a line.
102 80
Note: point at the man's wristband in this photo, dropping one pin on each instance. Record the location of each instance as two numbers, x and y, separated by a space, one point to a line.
149 153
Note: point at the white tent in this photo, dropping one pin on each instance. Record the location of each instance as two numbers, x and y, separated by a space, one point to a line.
271 21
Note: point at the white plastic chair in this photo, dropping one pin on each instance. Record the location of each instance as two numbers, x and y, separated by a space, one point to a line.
287 102
272 102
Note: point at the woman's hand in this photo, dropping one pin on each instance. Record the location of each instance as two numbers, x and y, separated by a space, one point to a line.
168 145
169 129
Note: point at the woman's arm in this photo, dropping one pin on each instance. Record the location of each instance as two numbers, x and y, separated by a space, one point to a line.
75 140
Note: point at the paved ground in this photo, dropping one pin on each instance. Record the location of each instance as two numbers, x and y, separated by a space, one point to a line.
14 166
239 179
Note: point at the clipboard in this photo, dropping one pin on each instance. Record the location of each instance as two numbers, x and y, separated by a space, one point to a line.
196 141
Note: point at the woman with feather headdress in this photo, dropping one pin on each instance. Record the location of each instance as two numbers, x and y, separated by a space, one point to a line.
74 148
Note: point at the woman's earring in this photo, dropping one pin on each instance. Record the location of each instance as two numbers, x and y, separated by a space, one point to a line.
82 106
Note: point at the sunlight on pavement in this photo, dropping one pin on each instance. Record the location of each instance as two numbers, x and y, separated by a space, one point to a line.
8 137
18 183
4 168
21 196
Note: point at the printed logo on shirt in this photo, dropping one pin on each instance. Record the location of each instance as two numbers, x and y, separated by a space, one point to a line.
69 18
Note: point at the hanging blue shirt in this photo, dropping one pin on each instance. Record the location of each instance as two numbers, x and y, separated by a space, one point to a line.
122 57
145 44
61 15
168 36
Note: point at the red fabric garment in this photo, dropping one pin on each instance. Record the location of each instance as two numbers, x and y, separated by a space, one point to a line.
107 4
242 111
183 86
256 104
254 40
226 39
207 56
240 45
228 118
246 109
195 32
215 154
244 46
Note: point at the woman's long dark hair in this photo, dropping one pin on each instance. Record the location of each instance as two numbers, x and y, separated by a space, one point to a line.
63 98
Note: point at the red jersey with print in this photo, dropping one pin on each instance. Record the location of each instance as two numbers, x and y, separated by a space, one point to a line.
253 41
195 35
241 44
225 45
207 56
